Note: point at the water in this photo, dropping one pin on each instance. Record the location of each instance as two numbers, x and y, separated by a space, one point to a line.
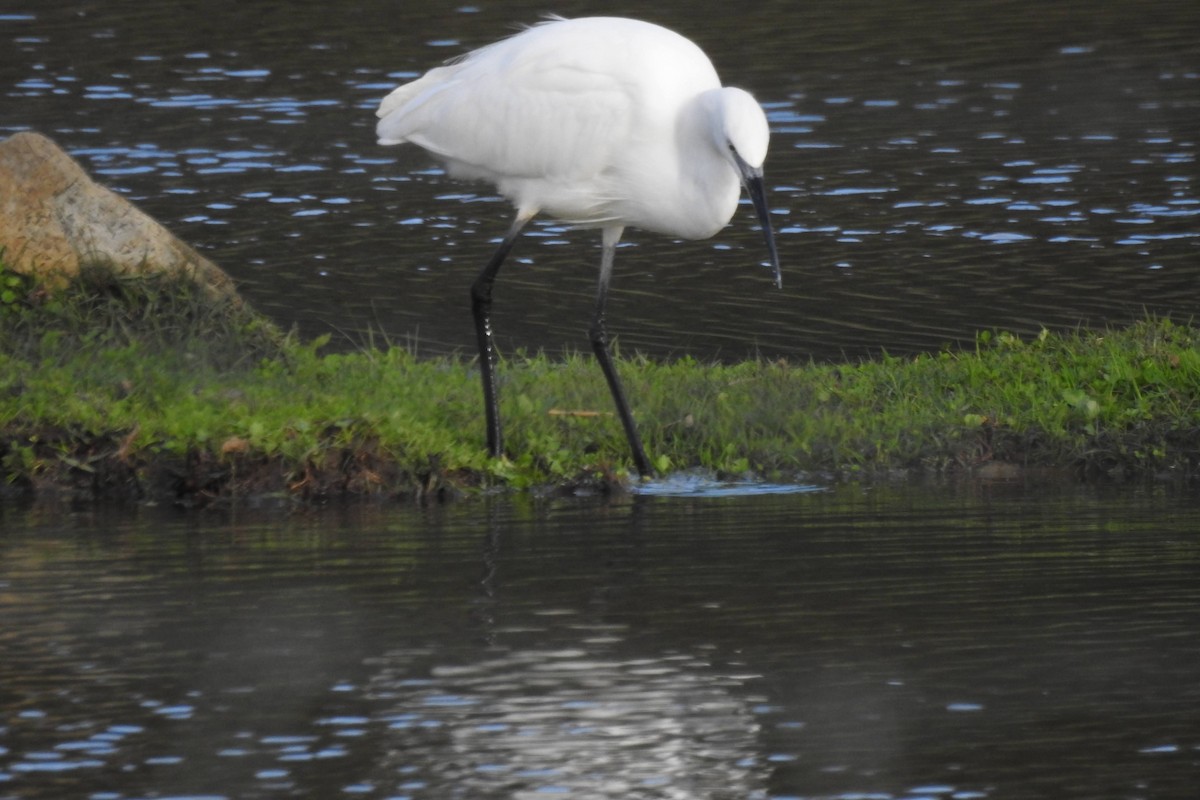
915 642
935 170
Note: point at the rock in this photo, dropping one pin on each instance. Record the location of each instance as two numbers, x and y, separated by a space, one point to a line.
54 220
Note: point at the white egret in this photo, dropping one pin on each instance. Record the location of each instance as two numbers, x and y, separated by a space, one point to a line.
599 122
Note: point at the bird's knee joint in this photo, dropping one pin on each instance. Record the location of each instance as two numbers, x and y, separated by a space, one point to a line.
598 335
481 293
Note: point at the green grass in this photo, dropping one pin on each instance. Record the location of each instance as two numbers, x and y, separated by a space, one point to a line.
135 389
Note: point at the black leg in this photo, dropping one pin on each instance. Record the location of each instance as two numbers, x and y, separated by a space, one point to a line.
481 308
599 337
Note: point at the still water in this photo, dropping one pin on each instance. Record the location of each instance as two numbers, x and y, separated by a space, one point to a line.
913 642
936 169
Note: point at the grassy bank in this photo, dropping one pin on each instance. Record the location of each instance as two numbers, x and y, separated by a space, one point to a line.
137 390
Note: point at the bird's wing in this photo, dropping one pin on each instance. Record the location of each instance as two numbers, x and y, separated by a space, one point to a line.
509 112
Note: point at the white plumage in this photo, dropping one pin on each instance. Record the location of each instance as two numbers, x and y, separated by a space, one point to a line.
599 122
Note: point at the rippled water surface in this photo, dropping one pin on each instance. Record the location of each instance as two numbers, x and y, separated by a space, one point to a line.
936 168
888 643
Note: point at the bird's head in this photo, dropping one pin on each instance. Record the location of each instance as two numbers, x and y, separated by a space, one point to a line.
743 137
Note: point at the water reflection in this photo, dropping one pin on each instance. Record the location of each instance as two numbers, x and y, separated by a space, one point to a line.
933 173
578 722
998 640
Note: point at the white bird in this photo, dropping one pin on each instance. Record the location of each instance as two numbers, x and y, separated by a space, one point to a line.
600 122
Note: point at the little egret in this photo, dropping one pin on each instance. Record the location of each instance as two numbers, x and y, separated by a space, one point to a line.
599 122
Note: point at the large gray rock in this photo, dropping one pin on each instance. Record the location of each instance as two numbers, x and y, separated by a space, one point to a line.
54 219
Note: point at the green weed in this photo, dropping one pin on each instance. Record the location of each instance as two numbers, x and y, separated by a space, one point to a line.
151 377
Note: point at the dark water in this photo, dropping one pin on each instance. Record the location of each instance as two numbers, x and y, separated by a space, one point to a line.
936 169
982 642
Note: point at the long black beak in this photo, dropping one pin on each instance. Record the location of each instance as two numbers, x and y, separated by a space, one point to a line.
752 179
